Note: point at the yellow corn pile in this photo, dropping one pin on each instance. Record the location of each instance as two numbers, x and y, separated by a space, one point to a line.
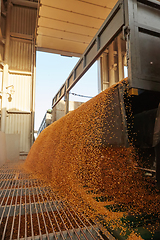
71 157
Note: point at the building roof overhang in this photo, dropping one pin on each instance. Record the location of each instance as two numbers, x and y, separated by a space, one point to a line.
67 27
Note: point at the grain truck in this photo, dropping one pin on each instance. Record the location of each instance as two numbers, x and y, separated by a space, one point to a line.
130 34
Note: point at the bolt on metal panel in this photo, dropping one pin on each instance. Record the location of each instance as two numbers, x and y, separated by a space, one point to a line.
142 20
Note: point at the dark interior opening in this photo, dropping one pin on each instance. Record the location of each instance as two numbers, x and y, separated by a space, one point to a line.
141 111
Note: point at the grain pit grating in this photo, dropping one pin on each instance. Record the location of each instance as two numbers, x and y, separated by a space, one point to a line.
31 210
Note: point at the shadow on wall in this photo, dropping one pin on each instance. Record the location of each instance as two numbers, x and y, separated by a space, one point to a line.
13 147
9 147
3 152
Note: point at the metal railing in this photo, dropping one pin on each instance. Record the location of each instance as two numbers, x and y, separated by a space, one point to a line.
45 122
42 126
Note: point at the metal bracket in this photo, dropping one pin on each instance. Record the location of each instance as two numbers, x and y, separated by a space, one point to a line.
126 32
65 93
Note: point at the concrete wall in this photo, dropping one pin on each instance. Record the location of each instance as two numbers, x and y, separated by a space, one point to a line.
74 105
9 147
3 153
59 109
13 147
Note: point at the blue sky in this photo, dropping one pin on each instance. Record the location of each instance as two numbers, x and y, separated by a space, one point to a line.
51 72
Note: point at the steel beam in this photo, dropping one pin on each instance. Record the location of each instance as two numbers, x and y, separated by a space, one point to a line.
62 53
33 90
104 72
0 21
120 59
66 102
5 68
20 72
111 65
25 3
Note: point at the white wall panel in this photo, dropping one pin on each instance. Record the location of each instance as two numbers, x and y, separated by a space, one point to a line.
1 80
3 153
0 91
20 124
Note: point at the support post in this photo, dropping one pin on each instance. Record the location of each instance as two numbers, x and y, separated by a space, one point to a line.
111 65
120 59
33 91
105 80
5 69
4 97
103 72
66 102
0 21
157 153
99 71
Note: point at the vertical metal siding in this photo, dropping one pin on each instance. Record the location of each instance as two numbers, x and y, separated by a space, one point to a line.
21 99
1 52
20 55
0 90
1 73
18 121
23 20
20 124
3 25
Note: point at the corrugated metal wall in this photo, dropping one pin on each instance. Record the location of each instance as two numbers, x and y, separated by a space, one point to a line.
20 55
0 97
1 81
23 20
3 25
1 52
21 49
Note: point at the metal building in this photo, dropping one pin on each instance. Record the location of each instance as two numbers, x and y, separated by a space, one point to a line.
17 76
130 32
60 27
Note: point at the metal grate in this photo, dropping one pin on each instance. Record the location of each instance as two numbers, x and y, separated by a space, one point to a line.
31 210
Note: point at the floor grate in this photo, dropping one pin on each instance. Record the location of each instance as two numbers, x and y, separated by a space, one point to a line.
31 210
